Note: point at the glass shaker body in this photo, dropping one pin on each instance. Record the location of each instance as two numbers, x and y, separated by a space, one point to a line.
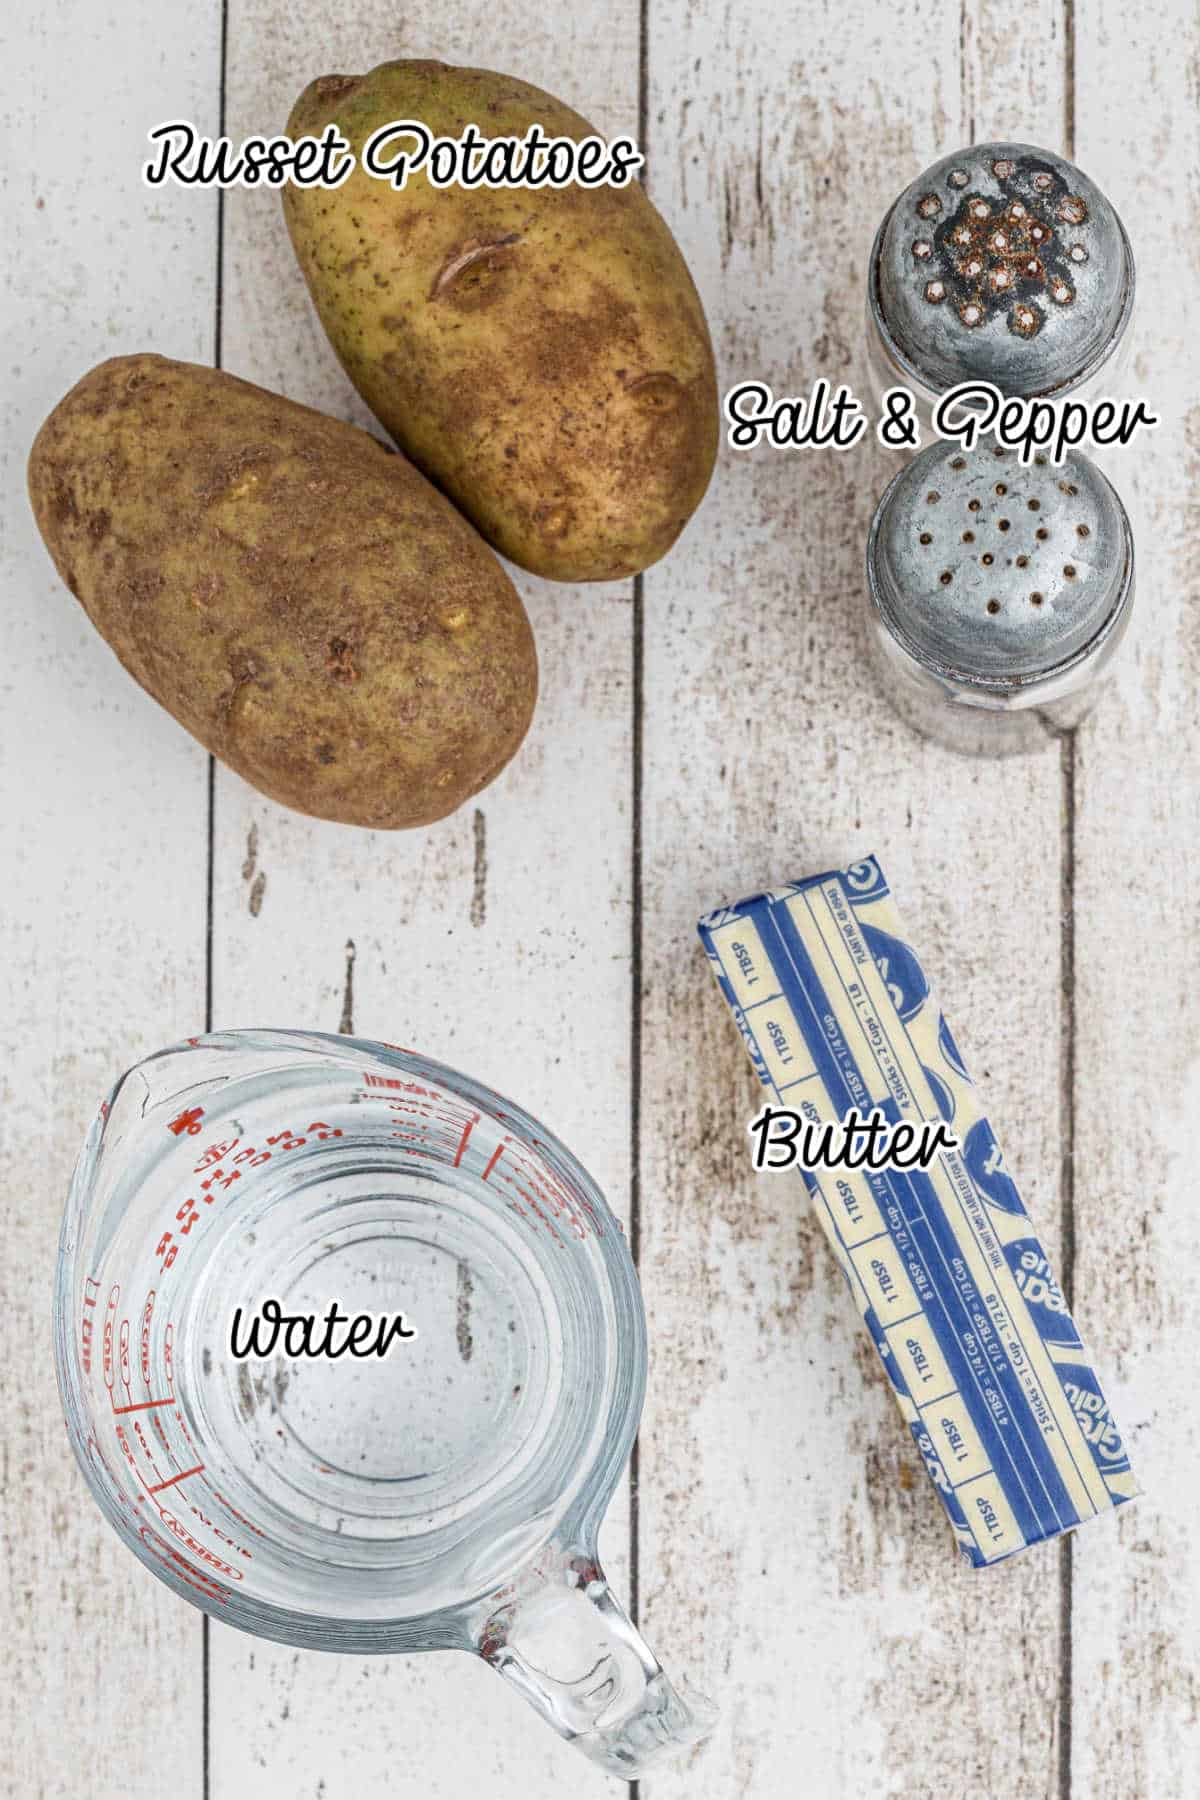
999 595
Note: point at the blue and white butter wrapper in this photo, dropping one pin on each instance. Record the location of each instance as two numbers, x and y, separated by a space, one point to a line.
944 1263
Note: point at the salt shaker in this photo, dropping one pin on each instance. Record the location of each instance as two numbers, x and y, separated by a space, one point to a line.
998 593
1001 263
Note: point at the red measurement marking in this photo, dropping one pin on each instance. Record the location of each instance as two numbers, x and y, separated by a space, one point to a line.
179 1530
227 1180
187 1215
147 1452
531 1194
171 1559
182 1476
462 1143
404 1087
496 1155
91 1289
188 1121
545 1218
147 1314
110 1309
549 1190
214 1152
143 1405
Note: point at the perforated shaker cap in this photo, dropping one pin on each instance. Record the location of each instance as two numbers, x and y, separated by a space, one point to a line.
1002 263
991 573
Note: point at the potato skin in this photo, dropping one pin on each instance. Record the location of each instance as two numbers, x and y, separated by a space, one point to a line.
542 354
296 595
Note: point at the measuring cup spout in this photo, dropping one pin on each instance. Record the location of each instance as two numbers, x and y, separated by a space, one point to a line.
561 1639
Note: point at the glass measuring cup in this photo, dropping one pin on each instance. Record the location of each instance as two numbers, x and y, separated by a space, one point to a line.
444 1495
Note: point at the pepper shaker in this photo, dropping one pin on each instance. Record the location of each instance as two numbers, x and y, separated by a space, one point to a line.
1001 263
999 593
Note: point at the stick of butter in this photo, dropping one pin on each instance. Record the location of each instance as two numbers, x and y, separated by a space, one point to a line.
943 1262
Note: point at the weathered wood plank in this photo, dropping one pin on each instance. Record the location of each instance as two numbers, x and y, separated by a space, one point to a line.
1136 1639
1015 75
102 817
787 1532
498 940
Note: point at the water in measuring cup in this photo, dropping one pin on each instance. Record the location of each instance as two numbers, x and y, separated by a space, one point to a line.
295 1491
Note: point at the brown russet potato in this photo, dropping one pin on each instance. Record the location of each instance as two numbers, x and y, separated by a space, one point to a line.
294 593
540 353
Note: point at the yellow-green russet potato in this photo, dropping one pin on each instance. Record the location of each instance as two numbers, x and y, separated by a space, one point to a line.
542 354
296 595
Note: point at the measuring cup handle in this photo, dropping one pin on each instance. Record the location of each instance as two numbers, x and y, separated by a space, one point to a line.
564 1643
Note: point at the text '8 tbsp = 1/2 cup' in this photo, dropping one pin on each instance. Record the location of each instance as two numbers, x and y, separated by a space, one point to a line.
1006 264
446 1495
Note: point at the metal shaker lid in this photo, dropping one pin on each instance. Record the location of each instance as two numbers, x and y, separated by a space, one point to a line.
991 573
1002 263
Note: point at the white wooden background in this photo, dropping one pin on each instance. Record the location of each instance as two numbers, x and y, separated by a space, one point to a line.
703 731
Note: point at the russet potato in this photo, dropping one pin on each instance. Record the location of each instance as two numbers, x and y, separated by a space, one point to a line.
296 595
540 353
